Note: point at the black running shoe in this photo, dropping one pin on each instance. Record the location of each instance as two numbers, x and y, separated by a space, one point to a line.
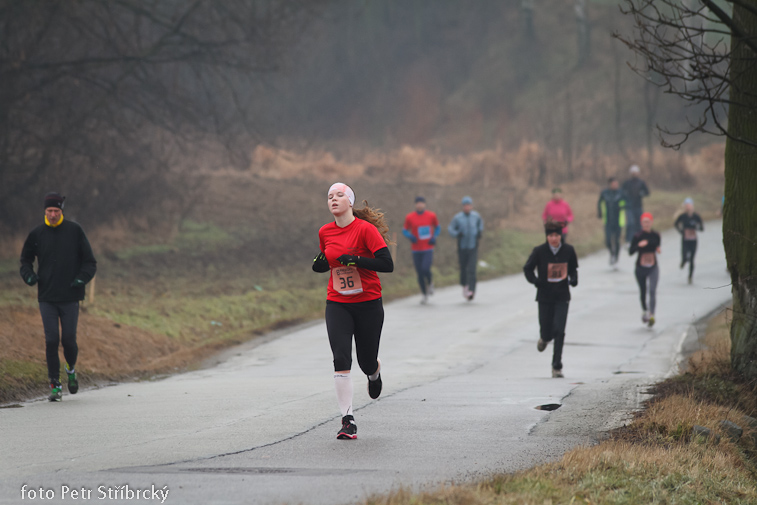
56 391
73 384
374 387
541 345
349 429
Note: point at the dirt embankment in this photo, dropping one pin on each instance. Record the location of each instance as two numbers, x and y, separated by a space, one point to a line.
110 352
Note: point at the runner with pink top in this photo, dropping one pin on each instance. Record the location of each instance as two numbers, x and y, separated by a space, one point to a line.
558 210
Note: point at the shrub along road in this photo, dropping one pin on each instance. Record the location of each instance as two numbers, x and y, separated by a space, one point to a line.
461 383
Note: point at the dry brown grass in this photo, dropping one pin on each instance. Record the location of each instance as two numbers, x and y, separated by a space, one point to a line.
530 165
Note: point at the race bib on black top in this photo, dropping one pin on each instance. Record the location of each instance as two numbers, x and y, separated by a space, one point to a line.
557 272
647 259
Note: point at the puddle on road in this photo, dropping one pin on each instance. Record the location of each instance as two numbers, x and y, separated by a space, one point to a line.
548 406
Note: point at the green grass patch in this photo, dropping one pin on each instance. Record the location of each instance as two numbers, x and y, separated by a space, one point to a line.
19 378
193 238
209 319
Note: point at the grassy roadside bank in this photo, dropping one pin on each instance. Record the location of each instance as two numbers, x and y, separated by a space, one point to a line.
659 458
164 307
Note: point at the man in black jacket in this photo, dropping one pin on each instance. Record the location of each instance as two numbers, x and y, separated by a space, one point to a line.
635 189
557 266
65 264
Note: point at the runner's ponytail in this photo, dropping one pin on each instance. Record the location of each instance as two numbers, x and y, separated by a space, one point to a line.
376 218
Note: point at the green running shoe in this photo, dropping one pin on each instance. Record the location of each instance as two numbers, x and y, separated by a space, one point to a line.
56 390
73 384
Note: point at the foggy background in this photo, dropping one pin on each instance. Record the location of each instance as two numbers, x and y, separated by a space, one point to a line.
121 105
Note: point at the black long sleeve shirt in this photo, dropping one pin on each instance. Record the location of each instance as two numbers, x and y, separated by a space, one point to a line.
63 254
648 253
555 272
688 225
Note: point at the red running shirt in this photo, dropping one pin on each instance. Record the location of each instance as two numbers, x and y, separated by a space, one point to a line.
422 226
359 238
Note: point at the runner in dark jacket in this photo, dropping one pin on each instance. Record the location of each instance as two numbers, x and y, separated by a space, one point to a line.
65 264
687 225
557 267
635 189
611 208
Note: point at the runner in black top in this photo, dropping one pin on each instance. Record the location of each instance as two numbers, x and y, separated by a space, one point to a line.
647 244
687 225
557 266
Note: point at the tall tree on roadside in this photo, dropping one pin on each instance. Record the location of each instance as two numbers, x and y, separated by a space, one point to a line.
706 52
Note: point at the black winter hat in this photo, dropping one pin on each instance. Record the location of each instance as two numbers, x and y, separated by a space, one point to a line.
54 200
553 227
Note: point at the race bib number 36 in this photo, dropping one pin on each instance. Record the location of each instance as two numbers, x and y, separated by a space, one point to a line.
557 272
346 281
647 259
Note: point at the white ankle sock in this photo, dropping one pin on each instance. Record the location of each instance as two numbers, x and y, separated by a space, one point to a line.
343 383
378 372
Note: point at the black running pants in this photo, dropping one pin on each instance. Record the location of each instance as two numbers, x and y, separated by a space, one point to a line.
67 314
468 259
362 320
688 251
612 238
552 319
422 261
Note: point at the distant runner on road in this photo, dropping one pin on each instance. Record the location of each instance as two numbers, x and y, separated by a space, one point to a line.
65 264
635 190
687 225
557 267
422 229
611 210
647 244
467 226
558 210
353 249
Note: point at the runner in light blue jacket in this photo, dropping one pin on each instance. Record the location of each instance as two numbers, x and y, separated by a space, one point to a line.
467 226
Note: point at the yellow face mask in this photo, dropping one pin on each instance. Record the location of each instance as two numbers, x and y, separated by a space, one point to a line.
51 225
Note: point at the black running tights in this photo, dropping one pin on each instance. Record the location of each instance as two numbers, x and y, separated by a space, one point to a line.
362 320
68 315
552 319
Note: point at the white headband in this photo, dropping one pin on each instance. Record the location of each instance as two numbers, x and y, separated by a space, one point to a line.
340 186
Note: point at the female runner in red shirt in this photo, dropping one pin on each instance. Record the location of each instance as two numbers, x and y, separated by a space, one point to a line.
353 249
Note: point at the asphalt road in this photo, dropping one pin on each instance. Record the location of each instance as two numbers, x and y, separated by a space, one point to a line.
461 383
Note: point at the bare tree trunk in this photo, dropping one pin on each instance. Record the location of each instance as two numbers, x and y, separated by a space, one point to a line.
568 138
651 99
527 14
739 217
584 31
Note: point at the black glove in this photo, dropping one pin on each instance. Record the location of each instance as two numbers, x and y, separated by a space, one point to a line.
348 260
432 241
31 279
573 283
78 283
320 263
413 239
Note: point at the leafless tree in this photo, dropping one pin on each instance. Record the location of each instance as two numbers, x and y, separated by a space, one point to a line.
97 96
706 53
